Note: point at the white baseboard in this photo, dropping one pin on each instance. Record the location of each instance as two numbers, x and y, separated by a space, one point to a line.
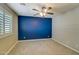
35 39
66 46
11 48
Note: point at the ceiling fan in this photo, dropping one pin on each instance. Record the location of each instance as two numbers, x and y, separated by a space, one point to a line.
44 11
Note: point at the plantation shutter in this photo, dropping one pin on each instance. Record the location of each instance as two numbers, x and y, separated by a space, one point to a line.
8 23
1 22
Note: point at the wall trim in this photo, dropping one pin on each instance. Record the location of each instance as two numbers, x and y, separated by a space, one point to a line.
35 39
66 46
11 48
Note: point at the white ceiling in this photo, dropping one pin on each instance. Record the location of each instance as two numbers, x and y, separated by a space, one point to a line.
27 9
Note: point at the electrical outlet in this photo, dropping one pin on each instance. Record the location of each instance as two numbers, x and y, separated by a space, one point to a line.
48 36
24 37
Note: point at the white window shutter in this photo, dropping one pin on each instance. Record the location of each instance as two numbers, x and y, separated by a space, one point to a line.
8 23
1 22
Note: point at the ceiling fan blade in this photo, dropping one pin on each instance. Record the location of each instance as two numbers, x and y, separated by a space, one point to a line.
36 14
50 13
35 9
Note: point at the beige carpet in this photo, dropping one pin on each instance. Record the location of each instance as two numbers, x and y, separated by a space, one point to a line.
41 47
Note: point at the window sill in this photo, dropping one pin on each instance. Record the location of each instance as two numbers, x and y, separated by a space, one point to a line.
5 35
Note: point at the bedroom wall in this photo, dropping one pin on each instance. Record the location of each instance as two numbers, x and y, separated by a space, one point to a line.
34 27
6 43
66 28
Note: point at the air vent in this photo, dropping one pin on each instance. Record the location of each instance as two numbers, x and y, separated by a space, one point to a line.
22 4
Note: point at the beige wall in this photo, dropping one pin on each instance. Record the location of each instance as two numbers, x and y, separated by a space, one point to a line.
7 42
66 28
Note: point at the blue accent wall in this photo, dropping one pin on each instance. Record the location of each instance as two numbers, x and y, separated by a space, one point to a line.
34 27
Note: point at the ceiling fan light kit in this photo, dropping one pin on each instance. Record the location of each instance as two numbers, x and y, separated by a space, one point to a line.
42 14
44 11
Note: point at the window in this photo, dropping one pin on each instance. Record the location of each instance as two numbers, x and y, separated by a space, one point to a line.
8 23
5 22
1 22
